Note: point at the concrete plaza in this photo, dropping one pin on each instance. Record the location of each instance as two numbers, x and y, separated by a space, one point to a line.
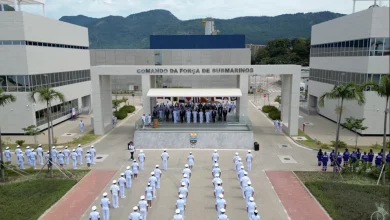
200 203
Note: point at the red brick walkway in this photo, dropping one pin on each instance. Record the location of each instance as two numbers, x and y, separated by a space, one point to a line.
298 203
73 205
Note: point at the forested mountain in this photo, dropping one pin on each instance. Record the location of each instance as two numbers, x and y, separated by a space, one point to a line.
133 31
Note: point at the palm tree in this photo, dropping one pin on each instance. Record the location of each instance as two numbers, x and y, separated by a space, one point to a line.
350 91
4 99
47 95
383 90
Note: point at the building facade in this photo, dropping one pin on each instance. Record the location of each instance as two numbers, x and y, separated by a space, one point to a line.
36 51
353 48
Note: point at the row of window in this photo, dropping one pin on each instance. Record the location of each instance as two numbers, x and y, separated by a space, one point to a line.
57 111
40 44
27 83
338 77
362 47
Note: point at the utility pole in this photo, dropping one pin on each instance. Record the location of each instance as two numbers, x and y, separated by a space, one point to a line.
255 90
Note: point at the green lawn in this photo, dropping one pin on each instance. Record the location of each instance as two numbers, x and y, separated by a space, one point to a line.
350 197
29 197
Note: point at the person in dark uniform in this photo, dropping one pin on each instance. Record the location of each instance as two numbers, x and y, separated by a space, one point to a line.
346 157
325 160
319 157
358 154
214 115
166 114
220 113
338 161
370 156
365 157
332 158
182 114
225 111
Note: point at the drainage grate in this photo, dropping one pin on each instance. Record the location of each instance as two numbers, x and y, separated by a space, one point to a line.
99 158
286 158
284 146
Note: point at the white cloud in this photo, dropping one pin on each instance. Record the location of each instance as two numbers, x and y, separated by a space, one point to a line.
190 9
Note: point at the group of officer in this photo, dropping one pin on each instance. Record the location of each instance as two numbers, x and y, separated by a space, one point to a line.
34 156
124 182
193 112
350 158
183 189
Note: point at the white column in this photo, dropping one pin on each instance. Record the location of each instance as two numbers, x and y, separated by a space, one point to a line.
146 85
354 4
293 117
286 87
15 5
242 105
153 100
43 10
101 103
2 7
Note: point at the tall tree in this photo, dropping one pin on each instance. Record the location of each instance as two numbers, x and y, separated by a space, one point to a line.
4 99
355 124
47 95
383 90
351 91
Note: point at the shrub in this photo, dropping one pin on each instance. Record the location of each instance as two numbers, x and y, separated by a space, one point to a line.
278 99
342 144
120 114
269 108
127 109
274 115
19 142
324 146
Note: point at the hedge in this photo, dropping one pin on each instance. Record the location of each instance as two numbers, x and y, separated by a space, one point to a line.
349 201
30 199
269 108
120 114
128 108
274 115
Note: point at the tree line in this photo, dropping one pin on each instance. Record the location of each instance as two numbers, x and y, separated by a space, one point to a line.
284 51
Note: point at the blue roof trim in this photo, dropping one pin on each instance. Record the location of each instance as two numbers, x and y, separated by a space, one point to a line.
197 41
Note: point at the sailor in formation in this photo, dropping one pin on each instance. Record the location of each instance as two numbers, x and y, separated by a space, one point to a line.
244 183
141 159
251 207
40 154
165 158
207 116
183 190
216 180
218 190
220 204
94 215
79 152
92 151
61 157
191 160
249 191
135 215
143 208
181 204
27 152
66 155
185 180
115 194
33 157
187 171
235 160
7 154
153 183
158 175
177 215
135 168
215 156
129 176
122 182
201 117
73 155
20 159
188 116
105 204
248 159
195 115
54 154
223 216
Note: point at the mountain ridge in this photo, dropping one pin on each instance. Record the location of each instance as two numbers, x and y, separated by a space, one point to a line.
133 31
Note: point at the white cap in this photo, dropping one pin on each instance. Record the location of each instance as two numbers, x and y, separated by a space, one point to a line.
79 145
28 147
165 150
242 167
251 199
53 147
92 146
74 150
180 196
104 194
94 208
185 175
157 165
239 159
190 152
114 181
249 151
148 184
152 173
122 174
7 148
183 183
216 164
142 197
256 211
177 211
39 145
17 146
128 167
223 210
249 182
141 151
135 208
245 173
219 182
66 147
32 149
236 153
215 150
221 196
217 175
186 165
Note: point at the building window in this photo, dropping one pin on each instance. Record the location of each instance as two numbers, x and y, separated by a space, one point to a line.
57 111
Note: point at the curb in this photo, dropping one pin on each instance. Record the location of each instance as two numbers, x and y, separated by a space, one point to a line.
308 191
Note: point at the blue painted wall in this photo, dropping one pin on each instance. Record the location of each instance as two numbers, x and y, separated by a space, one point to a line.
196 41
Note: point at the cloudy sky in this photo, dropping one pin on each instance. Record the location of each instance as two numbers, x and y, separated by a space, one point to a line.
189 9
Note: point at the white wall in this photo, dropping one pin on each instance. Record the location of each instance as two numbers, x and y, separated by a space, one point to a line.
17 115
373 22
11 26
13 60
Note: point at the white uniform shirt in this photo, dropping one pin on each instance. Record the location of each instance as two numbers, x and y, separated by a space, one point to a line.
245 180
249 157
94 215
183 191
114 189
142 205
122 181
152 181
79 151
215 156
165 156
220 203
223 217
186 181
215 181
141 157
177 217
135 216
104 202
180 203
74 155
255 217
128 174
157 173
143 118
218 190
251 206
186 171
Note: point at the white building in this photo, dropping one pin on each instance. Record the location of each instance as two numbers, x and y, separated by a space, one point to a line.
37 51
353 48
